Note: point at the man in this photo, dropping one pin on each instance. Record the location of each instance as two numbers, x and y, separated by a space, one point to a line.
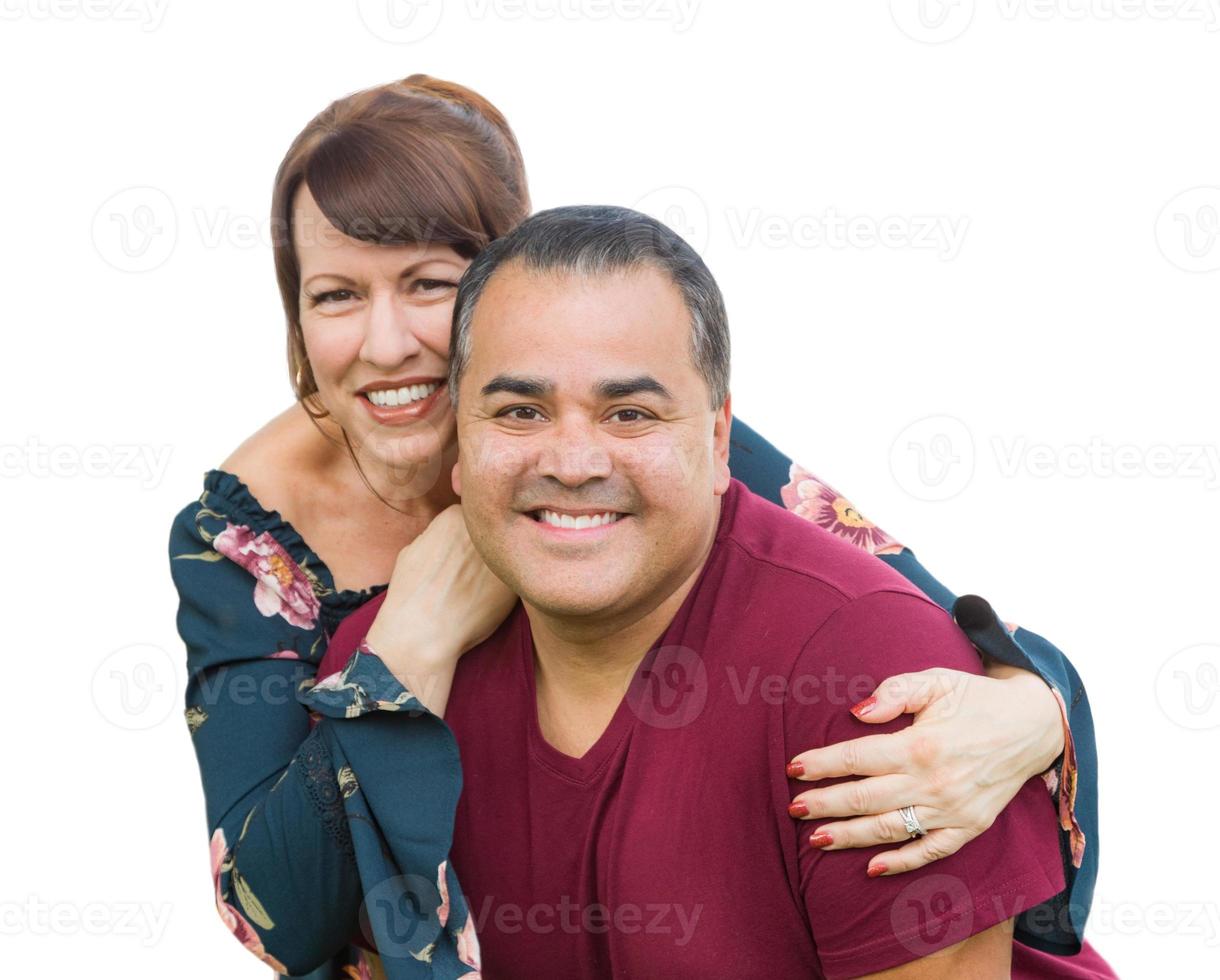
671 620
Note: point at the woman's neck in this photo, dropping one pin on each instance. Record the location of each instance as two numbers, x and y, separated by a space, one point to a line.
418 490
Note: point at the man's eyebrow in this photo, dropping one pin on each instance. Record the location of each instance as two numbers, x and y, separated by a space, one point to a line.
611 388
607 389
527 387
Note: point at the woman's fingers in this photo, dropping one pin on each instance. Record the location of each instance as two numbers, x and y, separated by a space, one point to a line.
881 828
936 845
907 694
870 755
857 797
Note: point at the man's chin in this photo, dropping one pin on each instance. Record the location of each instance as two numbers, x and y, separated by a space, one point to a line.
569 601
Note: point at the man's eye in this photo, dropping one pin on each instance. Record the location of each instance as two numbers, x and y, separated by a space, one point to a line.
521 413
630 415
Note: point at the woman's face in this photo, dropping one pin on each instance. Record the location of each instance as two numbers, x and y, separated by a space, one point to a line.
376 321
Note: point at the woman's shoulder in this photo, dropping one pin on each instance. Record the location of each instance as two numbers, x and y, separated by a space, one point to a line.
257 483
278 457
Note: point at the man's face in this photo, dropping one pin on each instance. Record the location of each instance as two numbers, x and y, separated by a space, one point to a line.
580 406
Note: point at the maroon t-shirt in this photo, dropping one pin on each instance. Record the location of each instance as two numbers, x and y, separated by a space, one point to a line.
667 850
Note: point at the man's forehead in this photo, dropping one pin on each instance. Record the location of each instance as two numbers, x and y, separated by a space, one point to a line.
601 335
517 289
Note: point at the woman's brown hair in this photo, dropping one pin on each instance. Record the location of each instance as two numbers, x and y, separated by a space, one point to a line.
415 161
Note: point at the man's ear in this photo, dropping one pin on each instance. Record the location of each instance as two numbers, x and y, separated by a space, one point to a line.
720 445
455 478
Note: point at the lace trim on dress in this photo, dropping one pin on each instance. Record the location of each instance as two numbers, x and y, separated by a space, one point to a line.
317 772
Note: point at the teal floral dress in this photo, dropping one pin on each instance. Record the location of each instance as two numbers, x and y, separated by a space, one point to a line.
304 876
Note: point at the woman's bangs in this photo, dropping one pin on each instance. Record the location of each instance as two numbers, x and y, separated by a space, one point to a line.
394 195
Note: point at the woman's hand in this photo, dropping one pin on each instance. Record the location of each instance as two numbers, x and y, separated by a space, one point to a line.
974 743
442 601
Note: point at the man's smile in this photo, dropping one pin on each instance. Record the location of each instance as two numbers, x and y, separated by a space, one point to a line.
582 522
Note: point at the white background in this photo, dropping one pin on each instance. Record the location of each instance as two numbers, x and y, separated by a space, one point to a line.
1045 174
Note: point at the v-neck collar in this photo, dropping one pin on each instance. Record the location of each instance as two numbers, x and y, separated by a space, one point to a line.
589 767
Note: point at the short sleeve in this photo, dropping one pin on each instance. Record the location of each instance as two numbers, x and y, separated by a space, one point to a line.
860 924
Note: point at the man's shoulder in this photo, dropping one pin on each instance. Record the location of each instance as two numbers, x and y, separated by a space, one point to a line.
774 544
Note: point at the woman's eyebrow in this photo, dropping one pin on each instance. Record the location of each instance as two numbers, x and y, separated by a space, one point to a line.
330 275
407 270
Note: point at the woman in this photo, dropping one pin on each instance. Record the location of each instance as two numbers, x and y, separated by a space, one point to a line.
385 197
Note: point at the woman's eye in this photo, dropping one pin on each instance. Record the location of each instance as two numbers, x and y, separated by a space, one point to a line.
333 296
433 285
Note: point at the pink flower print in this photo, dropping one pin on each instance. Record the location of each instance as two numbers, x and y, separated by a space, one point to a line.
468 944
363 969
817 502
233 919
283 588
443 887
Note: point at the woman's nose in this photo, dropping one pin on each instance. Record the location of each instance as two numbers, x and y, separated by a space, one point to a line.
389 337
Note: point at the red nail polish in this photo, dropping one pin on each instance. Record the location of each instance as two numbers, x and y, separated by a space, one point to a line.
795 770
821 840
877 870
864 707
797 808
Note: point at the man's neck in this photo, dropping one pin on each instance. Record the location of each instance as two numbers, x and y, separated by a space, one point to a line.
583 667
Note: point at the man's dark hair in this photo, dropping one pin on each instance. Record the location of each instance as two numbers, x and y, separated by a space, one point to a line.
593 240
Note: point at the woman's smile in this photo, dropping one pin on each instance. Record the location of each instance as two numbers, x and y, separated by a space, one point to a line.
402 402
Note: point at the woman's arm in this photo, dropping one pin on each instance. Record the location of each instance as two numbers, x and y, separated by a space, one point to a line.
294 856
948 752
281 854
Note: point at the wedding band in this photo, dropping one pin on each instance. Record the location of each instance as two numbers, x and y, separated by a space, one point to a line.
911 822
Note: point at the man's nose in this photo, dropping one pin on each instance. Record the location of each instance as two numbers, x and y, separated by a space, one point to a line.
573 454
389 337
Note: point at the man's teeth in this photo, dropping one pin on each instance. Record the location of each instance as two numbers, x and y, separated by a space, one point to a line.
393 397
577 523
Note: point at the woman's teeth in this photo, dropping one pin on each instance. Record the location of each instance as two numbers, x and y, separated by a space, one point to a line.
577 523
392 397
